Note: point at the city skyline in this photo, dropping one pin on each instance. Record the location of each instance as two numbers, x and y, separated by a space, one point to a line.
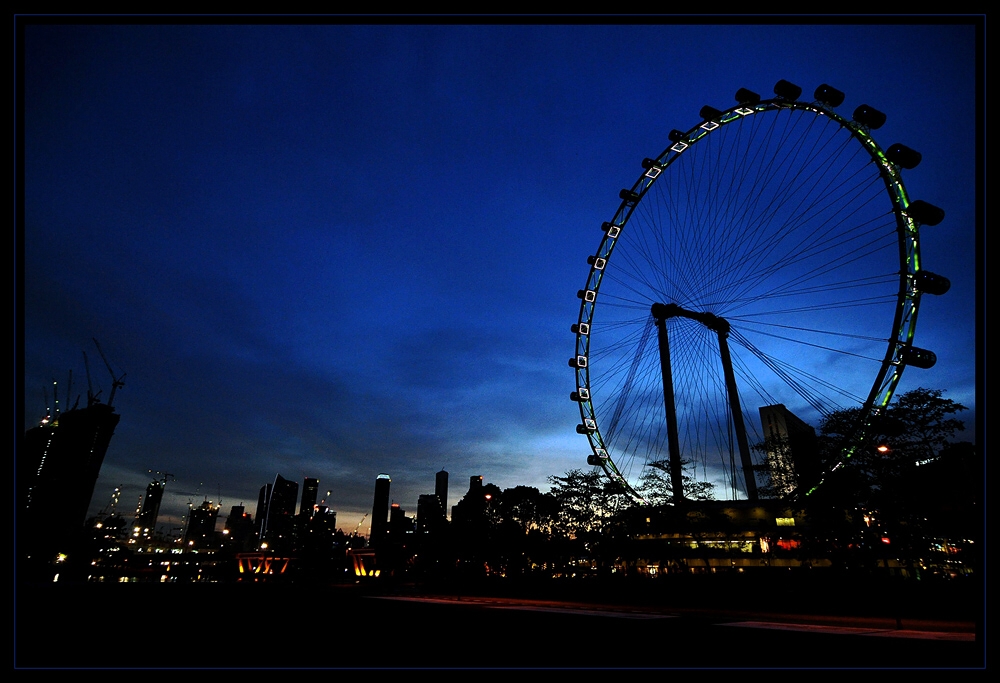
334 251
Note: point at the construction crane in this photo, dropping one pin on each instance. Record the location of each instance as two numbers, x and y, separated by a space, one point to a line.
116 382
109 510
355 532
91 396
163 475
69 392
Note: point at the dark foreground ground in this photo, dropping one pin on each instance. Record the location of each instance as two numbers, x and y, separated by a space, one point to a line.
693 622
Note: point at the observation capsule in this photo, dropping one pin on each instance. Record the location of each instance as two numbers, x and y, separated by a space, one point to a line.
829 95
595 460
648 163
675 135
786 90
918 358
932 283
869 116
903 156
708 112
924 213
744 96
629 195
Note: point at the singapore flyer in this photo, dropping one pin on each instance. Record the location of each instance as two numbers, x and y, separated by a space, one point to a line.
768 256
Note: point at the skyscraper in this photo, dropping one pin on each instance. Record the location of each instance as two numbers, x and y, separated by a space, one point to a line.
430 516
145 523
57 468
262 500
380 509
791 449
239 529
310 491
279 525
441 491
200 532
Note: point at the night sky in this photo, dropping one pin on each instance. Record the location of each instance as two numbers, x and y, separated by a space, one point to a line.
339 250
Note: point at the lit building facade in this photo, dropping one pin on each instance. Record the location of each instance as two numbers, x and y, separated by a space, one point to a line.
200 532
441 491
145 523
380 509
310 492
790 444
279 527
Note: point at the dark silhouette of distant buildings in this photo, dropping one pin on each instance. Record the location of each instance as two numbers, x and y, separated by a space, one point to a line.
279 526
145 523
262 501
430 516
441 491
310 492
239 532
200 531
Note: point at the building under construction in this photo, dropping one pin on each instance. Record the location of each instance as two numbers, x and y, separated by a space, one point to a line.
57 468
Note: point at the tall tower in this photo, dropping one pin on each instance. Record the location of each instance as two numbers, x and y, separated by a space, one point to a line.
380 509
58 463
240 528
279 526
145 523
200 532
791 449
261 512
441 490
310 490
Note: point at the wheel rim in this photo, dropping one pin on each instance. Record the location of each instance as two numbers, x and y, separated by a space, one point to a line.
787 220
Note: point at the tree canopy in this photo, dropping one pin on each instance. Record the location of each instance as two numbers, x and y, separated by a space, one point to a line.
913 431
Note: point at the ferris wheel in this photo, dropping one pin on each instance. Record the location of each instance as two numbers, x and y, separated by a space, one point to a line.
768 256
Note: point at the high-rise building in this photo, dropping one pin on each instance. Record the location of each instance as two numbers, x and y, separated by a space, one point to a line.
279 526
441 491
430 516
145 522
399 524
240 529
57 468
262 500
310 491
200 532
790 443
380 509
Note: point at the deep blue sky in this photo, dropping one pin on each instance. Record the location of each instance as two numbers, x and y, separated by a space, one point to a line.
334 251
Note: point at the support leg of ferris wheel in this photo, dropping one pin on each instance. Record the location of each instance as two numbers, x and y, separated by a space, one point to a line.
673 443
720 326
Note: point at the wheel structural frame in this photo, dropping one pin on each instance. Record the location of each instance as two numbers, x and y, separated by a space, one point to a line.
909 216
